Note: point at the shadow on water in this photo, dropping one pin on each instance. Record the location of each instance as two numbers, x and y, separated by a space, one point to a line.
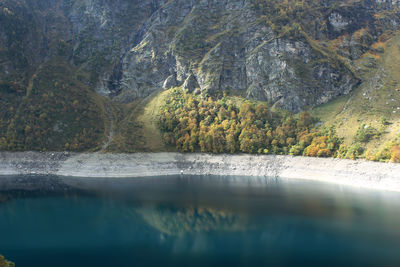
195 221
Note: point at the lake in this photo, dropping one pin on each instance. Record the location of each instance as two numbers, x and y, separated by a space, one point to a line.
195 221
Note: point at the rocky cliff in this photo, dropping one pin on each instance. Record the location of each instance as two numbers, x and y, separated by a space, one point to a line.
293 54
264 50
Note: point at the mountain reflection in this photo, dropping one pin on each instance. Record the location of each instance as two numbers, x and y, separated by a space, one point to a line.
179 221
171 221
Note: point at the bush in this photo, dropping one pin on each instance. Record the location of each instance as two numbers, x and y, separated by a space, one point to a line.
355 151
365 133
390 152
395 154
296 150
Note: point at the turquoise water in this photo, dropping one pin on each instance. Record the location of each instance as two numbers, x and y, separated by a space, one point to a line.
196 221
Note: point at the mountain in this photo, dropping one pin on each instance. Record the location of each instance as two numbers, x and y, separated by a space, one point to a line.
89 74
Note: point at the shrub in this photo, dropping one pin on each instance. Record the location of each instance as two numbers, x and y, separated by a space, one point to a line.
395 154
365 133
296 150
354 151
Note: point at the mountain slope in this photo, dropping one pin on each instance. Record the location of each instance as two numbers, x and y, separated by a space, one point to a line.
74 73
375 103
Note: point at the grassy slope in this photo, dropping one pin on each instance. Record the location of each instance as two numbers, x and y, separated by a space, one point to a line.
148 118
127 136
376 98
137 128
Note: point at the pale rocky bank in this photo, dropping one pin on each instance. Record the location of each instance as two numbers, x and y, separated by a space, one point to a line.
383 176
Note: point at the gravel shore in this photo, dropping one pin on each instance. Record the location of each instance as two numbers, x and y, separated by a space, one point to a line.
383 176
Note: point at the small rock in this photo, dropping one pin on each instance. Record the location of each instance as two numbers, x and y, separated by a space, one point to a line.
190 84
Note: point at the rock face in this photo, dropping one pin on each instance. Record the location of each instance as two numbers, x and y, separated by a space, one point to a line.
266 50
221 46
170 82
190 84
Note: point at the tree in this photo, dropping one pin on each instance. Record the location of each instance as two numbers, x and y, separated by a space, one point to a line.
305 121
231 139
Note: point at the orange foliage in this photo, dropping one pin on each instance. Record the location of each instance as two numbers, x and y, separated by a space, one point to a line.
318 148
395 152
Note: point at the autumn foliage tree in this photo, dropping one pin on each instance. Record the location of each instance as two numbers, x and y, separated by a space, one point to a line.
212 125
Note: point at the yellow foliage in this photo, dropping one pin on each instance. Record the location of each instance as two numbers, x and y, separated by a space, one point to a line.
219 126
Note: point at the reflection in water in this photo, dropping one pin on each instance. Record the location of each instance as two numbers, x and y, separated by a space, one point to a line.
200 220
179 221
4 198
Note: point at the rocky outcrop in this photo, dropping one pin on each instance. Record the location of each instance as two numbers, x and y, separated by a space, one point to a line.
170 82
190 84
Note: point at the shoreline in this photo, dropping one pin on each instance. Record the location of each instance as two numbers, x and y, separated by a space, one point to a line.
358 173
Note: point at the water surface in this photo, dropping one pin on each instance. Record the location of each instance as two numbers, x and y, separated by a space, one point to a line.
195 221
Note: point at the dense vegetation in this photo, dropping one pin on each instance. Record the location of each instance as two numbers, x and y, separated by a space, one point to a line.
227 125
389 152
193 123
56 112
